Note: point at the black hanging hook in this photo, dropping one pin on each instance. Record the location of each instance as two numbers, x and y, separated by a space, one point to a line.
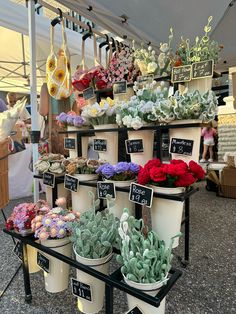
113 44
89 33
118 45
104 43
58 19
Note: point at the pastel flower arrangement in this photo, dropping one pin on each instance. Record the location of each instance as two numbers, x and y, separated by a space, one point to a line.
23 214
164 58
202 50
142 108
82 165
70 118
175 174
103 112
50 163
122 171
193 105
146 60
54 224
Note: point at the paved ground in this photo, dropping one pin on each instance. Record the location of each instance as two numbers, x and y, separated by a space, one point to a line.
207 284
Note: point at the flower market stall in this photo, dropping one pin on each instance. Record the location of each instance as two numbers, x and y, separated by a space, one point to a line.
128 204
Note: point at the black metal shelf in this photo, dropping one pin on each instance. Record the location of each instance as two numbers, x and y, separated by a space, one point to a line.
113 280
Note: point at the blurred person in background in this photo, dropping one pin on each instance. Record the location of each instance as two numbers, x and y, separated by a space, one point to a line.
11 101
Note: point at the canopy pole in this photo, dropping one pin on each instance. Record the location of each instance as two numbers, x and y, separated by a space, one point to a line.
33 86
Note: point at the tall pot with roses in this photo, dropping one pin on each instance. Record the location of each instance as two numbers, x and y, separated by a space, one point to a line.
172 178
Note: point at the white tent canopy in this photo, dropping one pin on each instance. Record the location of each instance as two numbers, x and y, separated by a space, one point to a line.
14 52
150 21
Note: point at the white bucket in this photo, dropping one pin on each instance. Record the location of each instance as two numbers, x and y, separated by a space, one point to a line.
191 133
73 153
58 277
166 215
97 286
148 139
203 85
61 192
151 289
122 199
81 201
111 155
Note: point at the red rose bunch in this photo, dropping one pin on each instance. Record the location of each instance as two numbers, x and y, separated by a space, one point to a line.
175 174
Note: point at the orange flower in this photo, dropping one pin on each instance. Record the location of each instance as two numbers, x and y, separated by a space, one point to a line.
59 75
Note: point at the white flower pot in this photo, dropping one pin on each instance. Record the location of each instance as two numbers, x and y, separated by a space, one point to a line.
166 215
111 155
148 140
61 192
58 277
126 96
81 201
203 85
122 199
97 286
151 289
32 259
84 139
191 133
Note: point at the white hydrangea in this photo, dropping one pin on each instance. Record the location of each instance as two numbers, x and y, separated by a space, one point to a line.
136 123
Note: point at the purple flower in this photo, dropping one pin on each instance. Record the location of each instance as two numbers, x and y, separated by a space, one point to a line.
70 119
121 167
133 167
78 121
62 117
106 170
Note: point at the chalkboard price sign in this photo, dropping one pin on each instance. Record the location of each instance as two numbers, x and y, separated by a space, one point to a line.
99 145
81 290
119 87
181 74
145 78
43 262
202 69
105 188
18 250
71 183
69 143
181 146
49 179
141 194
88 93
134 146
135 310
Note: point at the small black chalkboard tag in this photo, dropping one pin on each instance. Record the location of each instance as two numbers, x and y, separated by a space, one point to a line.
49 179
120 87
71 183
135 310
81 290
181 74
18 250
202 69
43 262
69 143
145 78
105 188
181 146
134 146
99 145
88 93
140 194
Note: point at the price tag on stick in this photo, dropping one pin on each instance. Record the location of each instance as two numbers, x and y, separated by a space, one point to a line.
119 87
43 262
49 179
141 194
88 93
81 290
181 146
202 69
18 250
105 188
69 143
71 183
181 74
134 146
99 145
135 310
